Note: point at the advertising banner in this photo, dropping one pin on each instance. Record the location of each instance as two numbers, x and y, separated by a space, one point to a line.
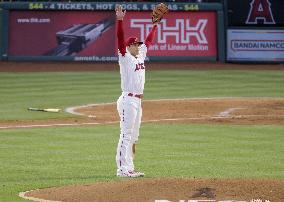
255 45
179 33
1 34
55 33
91 35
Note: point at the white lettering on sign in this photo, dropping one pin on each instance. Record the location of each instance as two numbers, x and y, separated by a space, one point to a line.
183 30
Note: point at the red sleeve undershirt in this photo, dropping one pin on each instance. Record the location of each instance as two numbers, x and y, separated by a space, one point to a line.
151 35
120 37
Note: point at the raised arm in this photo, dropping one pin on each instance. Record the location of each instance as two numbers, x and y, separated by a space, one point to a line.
120 33
151 35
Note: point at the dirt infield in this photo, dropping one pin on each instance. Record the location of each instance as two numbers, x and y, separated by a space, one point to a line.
253 111
241 111
172 190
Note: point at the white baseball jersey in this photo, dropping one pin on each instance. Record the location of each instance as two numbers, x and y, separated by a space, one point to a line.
132 71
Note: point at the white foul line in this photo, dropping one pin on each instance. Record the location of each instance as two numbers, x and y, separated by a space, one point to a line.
56 124
147 121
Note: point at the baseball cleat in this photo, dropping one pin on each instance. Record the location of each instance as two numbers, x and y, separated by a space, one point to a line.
140 174
130 174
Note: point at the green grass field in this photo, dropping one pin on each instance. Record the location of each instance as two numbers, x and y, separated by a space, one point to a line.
46 157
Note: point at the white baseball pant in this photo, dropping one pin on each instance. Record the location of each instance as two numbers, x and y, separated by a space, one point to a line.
130 113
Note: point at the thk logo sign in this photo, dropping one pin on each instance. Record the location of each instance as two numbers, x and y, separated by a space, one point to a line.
182 31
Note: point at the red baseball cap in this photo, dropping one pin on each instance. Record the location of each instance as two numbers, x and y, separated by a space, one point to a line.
133 40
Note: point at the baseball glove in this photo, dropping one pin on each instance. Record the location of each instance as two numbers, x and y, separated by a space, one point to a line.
159 11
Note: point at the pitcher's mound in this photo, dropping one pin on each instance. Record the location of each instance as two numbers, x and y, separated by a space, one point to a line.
173 190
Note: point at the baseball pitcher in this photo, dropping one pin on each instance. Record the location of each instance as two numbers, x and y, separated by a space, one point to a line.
131 54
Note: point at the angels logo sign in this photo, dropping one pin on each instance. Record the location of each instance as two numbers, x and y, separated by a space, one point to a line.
260 10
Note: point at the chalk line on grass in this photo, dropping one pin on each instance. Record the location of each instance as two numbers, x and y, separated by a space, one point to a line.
23 195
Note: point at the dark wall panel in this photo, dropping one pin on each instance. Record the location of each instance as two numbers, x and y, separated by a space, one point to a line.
256 13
